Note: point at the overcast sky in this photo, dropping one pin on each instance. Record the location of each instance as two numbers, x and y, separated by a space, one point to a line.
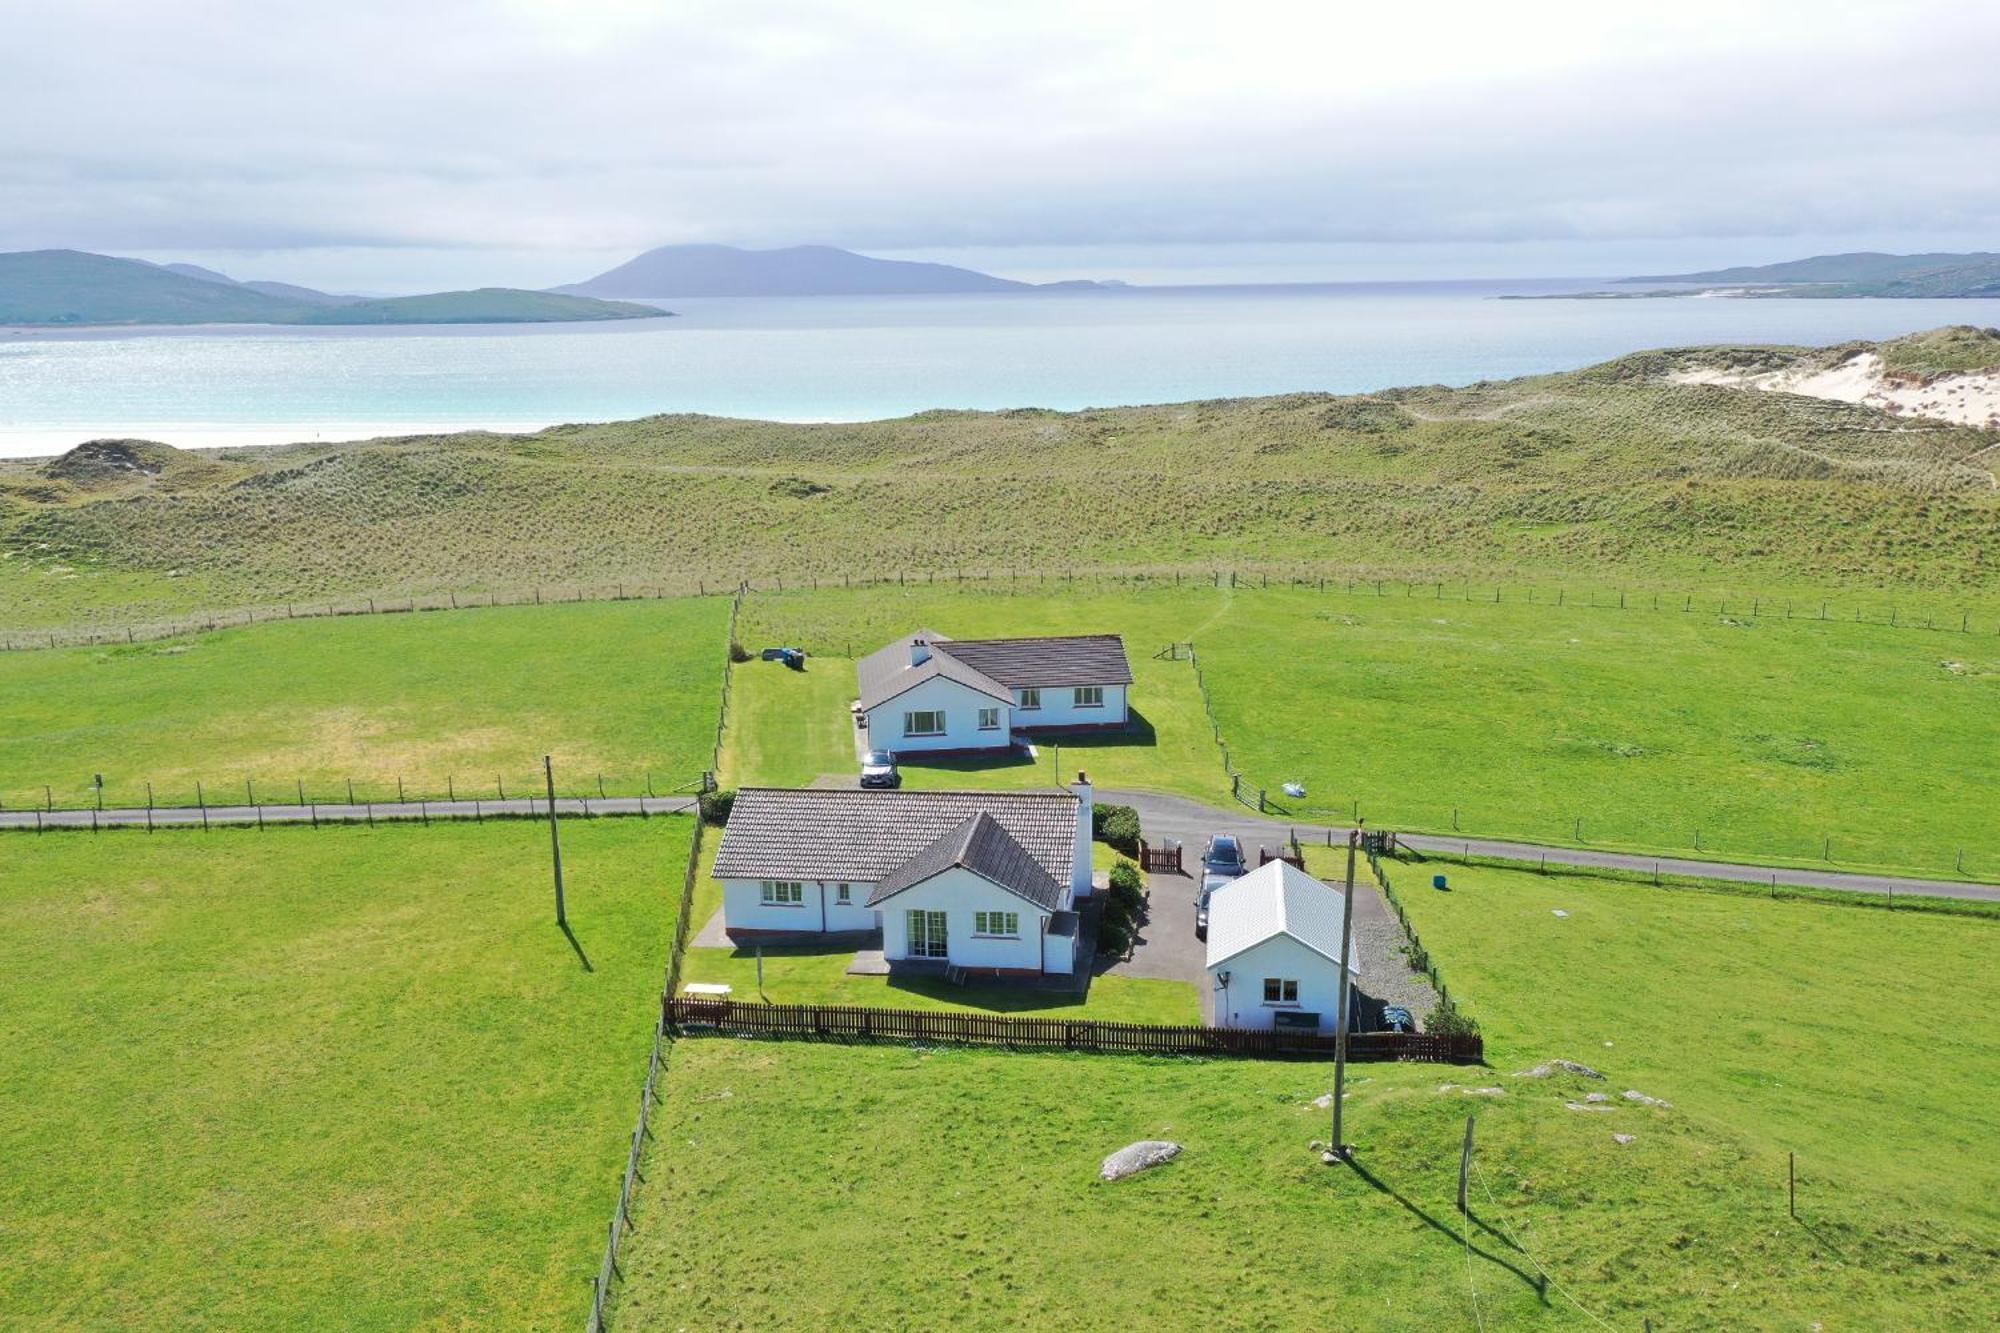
386 145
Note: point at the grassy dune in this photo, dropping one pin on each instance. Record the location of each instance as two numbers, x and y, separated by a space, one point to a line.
1613 473
354 1078
467 701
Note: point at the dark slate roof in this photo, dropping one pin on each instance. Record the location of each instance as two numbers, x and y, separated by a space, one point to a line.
1070 659
983 847
865 836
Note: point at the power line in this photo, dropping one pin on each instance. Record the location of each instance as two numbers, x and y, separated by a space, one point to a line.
1539 1267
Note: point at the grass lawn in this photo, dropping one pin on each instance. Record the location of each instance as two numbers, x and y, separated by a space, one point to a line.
349 1078
1857 1036
464 699
958 1188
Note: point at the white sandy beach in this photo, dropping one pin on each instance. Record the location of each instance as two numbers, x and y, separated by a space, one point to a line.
1968 400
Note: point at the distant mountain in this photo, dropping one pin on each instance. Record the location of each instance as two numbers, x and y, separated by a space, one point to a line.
487 305
64 287
1863 273
800 270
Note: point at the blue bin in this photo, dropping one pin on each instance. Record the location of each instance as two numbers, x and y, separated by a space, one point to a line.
1437 882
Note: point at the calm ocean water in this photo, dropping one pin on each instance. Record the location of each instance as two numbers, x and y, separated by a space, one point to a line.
839 358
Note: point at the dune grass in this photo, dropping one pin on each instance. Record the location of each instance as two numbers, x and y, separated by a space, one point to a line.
352 1078
467 701
1856 1036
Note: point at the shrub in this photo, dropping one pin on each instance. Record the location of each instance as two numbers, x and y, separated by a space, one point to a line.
737 652
1128 889
1117 825
716 805
1446 1020
1114 937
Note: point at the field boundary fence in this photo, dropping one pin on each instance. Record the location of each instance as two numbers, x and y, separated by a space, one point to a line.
284 800
1931 615
1419 957
833 1022
608 1271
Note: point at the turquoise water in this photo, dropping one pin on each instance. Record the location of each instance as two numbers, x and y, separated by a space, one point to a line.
841 358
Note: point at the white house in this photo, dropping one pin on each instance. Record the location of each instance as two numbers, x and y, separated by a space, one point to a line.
1273 937
929 694
985 881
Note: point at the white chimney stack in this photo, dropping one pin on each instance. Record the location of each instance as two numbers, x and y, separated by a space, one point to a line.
1079 881
920 652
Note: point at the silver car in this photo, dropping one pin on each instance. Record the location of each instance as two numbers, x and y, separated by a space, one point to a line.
1210 882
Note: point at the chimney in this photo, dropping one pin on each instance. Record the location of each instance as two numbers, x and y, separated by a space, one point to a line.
920 652
1079 883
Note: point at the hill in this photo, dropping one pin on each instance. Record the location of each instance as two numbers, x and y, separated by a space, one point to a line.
1861 274
487 305
1620 473
800 270
72 287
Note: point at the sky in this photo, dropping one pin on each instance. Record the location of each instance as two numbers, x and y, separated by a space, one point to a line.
383 147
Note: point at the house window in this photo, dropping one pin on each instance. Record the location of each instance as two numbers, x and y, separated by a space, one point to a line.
783 893
1279 990
929 722
1030 700
996 923
844 895
1090 696
989 719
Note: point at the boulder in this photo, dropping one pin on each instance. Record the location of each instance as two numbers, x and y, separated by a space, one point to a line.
1136 1157
1623 1138
1566 1066
1644 1100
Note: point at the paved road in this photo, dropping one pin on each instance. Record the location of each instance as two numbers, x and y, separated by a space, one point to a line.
183 816
1192 822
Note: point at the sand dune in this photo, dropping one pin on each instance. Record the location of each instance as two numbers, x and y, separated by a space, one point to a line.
1968 400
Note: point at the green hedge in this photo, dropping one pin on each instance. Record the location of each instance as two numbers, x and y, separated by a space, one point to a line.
1117 825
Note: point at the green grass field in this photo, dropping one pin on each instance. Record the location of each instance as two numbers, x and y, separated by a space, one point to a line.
1857 1036
958 1188
354 1078
469 700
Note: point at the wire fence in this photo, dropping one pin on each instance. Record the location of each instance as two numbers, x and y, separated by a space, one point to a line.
320 791
1915 613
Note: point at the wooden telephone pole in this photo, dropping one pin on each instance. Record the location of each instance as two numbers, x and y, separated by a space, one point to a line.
1339 1144
555 840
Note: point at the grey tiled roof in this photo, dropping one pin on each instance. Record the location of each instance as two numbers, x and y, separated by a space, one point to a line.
994 666
1071 659
865 836
983 847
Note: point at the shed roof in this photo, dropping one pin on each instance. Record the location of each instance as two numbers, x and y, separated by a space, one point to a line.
1275 899
866 836
980 845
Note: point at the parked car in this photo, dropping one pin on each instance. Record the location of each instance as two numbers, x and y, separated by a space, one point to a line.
1224 857
1395 1018
1209 884
878 769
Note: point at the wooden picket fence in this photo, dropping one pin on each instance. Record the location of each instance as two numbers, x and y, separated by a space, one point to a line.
836 1022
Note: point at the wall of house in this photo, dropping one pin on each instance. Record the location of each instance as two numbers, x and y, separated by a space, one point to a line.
1059 709
959 893
743 908
1242 1004
961 715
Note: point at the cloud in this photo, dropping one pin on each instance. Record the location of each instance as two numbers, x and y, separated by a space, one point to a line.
574 126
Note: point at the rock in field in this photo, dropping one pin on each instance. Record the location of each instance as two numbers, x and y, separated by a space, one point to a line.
1137 1157
1567 1066
1644 1100
1623 1138
1589 1106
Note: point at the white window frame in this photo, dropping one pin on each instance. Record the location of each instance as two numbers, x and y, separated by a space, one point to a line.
1089 696
994 714
843 895
782 893
1031 699
1287 991
997 925
910 722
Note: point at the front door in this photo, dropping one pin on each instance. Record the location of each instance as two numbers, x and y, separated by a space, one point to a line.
926 934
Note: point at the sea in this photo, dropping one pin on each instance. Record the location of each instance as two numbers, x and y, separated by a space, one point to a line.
856 358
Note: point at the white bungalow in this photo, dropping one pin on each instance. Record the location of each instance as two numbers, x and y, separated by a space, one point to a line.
1273 938
926 693
984 881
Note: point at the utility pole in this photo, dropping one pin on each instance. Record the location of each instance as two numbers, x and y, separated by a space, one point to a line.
1339 1144
555 841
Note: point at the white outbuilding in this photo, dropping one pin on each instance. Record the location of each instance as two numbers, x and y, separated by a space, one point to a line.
1273 945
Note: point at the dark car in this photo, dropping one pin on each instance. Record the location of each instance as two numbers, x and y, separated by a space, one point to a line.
1224 857
878 769
1210 882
